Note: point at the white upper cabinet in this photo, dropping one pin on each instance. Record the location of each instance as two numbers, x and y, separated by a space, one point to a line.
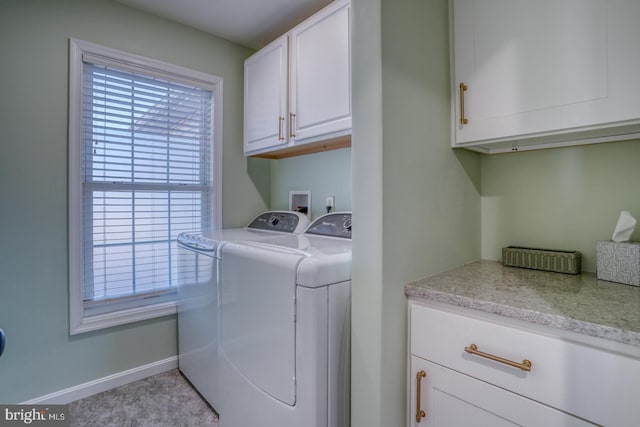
265 97
298 88
537 74
320 74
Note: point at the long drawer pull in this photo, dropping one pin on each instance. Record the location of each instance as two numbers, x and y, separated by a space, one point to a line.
525 365
420 414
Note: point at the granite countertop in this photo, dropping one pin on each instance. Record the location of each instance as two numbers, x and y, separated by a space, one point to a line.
580 303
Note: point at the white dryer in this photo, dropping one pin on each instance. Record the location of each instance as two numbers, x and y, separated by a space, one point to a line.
285 328
198 310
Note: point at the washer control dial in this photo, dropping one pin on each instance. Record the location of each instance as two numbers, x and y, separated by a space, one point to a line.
334 225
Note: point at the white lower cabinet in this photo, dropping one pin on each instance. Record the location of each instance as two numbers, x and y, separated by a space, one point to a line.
451 399
487 370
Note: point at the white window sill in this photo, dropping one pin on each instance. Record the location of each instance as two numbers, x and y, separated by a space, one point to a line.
94 323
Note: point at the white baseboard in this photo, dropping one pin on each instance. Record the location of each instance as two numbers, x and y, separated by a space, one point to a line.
106 383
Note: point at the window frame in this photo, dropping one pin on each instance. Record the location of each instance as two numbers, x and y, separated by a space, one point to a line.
78 321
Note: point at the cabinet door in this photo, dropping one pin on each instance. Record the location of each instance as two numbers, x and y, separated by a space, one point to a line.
321 74
543 68
265 97
451 399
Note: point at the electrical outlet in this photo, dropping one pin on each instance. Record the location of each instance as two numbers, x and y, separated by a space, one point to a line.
331 202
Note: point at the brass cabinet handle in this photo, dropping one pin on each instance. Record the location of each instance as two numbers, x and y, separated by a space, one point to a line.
525 365
292 116
463 89
280 120
420 414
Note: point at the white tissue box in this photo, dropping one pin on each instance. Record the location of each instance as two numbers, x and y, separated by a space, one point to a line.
618 262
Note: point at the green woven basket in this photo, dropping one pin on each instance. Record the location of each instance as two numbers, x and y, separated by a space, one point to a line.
542 259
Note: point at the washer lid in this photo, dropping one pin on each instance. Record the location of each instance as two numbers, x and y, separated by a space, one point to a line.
197 241
329 261
317 272
211 241
264 226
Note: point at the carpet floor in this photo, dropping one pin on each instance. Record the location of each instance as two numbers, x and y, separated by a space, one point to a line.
166 399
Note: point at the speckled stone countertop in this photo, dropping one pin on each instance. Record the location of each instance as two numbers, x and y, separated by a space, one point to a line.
578 303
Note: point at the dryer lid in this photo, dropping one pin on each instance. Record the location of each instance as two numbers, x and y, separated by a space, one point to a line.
257 315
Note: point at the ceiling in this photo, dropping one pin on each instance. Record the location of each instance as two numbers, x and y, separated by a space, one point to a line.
251 23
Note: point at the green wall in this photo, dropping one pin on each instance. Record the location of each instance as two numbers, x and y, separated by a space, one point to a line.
367 199
562 198
324 174
40 356
416 202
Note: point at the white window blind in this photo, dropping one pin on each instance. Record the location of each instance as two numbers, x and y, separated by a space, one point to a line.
146 176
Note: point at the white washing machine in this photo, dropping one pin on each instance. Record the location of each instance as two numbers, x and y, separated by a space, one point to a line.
198 310
285 328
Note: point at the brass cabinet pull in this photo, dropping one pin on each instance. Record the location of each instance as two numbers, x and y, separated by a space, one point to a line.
420 414
525 365
280 120
463 89
292 116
